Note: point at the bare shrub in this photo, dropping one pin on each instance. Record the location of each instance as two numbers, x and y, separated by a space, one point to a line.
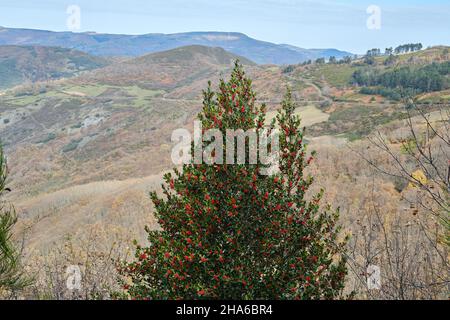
405 246
54 278
411 246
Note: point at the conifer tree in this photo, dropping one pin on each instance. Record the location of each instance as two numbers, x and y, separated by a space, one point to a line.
11 275
230 232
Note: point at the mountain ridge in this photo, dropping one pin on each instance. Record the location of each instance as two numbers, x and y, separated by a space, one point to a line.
105 44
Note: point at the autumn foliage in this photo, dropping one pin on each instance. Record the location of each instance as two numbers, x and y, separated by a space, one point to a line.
230 232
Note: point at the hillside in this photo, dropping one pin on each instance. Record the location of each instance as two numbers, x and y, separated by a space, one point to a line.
355 109
192 54
120 113
167 69
136 45
103 124
27 64
84 152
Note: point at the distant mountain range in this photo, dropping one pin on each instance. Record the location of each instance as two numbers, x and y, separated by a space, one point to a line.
101 44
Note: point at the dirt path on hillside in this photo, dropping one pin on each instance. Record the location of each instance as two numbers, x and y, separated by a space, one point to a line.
311 84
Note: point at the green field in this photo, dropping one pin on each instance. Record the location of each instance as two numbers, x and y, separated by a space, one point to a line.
336 75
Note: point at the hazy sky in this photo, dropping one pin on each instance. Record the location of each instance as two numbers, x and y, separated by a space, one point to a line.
310 24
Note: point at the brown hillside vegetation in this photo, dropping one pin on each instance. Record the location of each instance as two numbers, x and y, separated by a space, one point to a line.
167 70
28 64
